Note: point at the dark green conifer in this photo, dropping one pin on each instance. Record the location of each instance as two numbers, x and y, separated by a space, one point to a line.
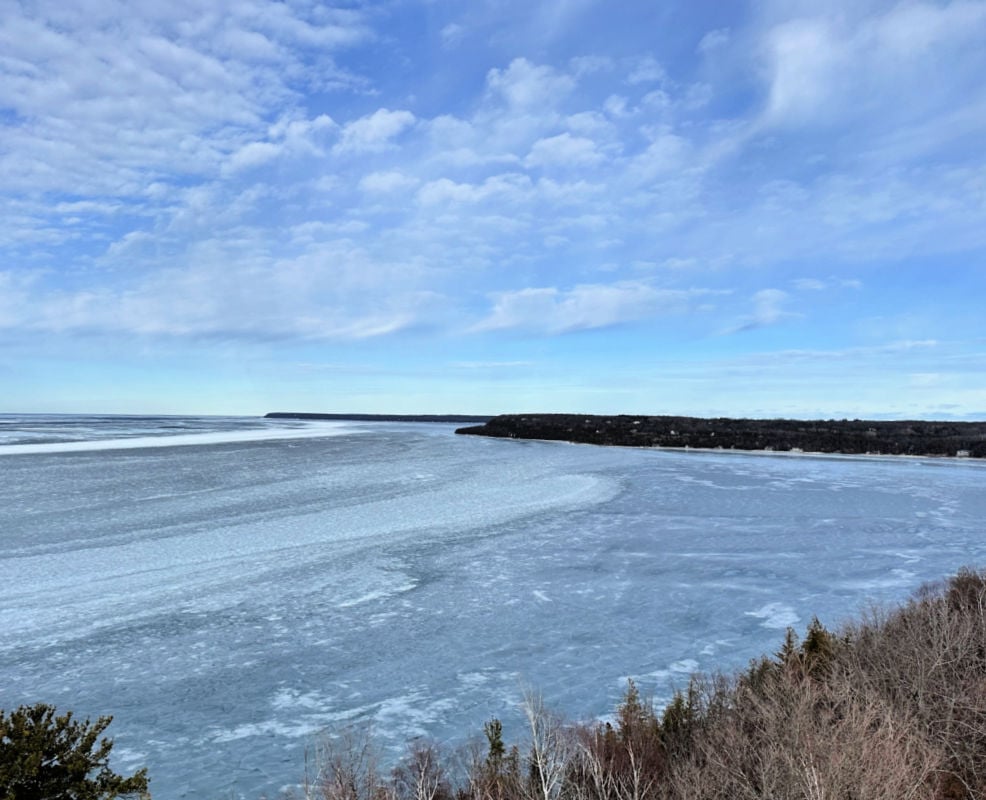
788 654
494 735
48 757
817 649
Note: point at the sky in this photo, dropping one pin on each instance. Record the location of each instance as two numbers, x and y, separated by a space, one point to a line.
769 209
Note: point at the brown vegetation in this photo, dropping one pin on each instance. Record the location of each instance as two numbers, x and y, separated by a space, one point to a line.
893 706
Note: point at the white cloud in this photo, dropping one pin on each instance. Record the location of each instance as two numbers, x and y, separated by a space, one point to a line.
87 207
661 100
807 57
387 182
767 305
713 40
248 45
817 284
589 65
456 142
195 140
592 124
564 150
888 67
768 309
529 86
646 70
554 311
104 98
14 297
328 294
509 187
666 154
905 347
616 106
809 284
130 244
300 132
375 131
452 34
253 155
323 27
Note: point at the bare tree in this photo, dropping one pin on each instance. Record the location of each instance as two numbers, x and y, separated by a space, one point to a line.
550 752
344 766
421 775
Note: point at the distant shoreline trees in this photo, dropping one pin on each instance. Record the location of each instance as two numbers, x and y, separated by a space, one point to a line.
852 437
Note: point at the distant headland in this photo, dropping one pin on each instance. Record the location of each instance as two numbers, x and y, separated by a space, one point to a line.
457 418
850 437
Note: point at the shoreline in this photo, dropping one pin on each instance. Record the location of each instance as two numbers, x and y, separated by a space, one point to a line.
793 454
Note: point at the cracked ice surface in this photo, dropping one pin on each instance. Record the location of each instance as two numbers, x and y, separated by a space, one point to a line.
228 598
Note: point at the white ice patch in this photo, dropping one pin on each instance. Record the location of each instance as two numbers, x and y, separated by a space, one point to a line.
897 578
411 714
127 759
314 431
377 594
294 699
719 644
471 680
776 615
267 729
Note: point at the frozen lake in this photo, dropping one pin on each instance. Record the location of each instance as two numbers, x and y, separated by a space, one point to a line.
230 592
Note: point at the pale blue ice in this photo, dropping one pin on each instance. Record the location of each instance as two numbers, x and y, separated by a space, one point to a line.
228 598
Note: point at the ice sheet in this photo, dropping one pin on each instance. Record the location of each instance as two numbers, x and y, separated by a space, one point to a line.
227 602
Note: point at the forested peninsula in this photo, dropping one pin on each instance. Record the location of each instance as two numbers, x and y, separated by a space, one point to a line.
851 437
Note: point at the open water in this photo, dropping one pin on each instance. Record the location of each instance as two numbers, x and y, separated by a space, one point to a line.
229 587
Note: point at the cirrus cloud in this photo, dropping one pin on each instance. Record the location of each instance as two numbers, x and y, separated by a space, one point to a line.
550 310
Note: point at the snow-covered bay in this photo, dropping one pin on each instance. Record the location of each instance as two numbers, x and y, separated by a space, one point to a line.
228 598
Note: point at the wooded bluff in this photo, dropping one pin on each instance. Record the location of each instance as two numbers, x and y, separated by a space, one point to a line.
854 437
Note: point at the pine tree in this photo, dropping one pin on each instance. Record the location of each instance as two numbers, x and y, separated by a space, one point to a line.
817 649
49 757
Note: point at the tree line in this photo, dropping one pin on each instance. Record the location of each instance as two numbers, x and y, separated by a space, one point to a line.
857 437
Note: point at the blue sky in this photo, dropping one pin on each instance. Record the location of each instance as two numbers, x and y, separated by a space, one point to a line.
710 208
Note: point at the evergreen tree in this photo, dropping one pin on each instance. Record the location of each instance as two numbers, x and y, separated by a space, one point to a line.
49 757
494 736
817 649
787 656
